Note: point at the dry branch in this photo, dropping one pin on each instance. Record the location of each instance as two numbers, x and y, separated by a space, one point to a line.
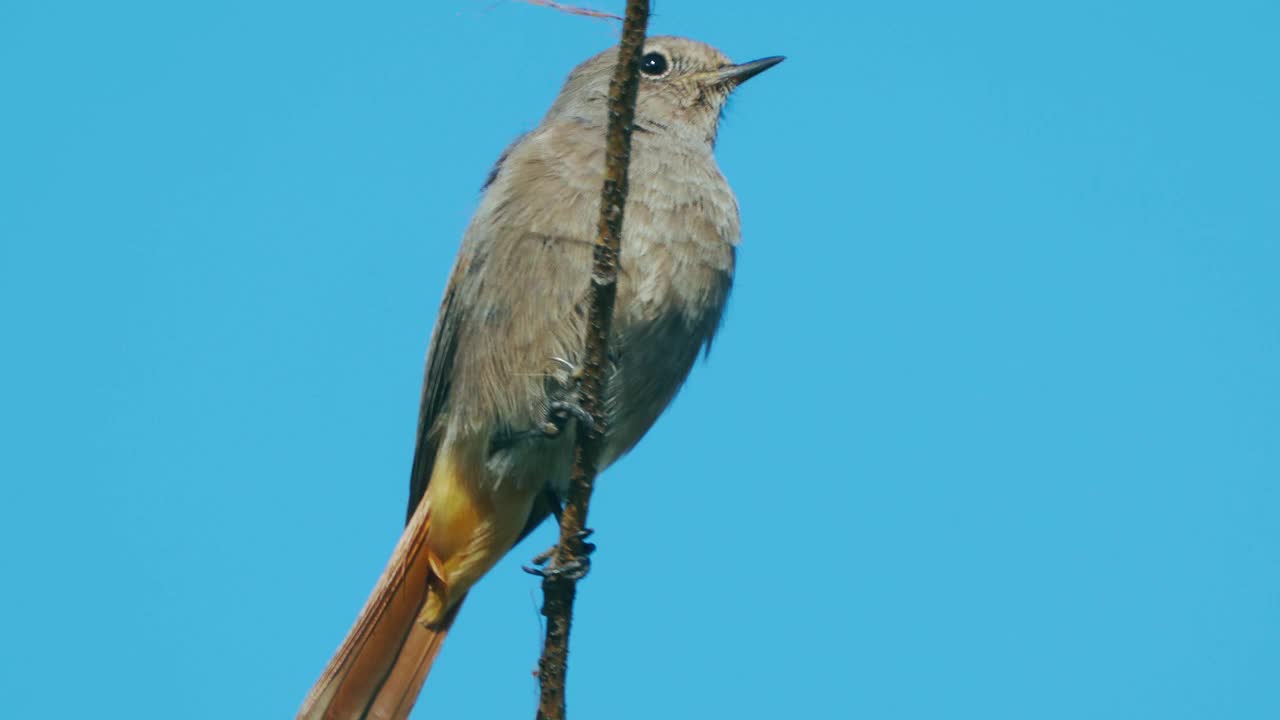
574 9
559 590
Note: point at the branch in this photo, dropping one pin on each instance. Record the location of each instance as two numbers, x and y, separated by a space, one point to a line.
574 9
559 589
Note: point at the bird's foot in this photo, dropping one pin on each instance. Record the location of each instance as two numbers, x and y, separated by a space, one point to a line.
575 568
559 412
564 385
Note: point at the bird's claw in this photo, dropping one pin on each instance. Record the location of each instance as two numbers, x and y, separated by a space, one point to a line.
558 414
575 568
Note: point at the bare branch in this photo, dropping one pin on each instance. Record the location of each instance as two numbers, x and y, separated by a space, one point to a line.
574 9
560 589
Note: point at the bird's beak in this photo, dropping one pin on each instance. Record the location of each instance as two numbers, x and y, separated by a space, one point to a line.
738 74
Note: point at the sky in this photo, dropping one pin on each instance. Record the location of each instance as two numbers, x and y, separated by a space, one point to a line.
991 430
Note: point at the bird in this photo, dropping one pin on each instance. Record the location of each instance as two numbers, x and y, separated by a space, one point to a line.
497 422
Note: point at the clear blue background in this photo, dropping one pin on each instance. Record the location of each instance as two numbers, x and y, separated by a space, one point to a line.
991 431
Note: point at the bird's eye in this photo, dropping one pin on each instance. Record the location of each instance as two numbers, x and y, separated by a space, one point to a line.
654 64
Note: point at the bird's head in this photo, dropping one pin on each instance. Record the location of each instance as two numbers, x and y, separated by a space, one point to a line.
684 85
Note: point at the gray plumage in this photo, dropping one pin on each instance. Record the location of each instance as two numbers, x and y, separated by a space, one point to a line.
513 318
514 313
510 333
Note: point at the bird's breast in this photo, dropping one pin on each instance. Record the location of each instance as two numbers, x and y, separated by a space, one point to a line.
679 232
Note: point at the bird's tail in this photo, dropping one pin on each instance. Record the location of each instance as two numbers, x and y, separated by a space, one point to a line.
459 530
382 663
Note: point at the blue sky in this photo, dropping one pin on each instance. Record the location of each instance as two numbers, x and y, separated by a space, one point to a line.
991 430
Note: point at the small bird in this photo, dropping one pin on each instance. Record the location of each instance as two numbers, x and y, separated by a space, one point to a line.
497 424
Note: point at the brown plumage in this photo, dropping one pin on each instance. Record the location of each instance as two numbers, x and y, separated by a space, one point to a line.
510 333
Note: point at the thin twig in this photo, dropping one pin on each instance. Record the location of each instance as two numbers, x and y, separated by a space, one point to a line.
559 590
574 9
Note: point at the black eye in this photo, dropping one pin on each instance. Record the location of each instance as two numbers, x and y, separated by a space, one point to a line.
654 64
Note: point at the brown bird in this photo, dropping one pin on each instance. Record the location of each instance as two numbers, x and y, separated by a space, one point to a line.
497 423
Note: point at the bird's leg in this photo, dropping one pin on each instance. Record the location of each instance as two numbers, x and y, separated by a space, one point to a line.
552 500
563 387
562 390
578 566
558 414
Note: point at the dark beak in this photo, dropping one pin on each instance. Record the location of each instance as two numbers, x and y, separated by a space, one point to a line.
738 74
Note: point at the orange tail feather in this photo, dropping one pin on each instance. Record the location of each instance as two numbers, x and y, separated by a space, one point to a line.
456 534
400 691
381 665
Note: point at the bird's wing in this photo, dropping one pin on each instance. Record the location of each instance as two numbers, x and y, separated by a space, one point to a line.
435 391
516 295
